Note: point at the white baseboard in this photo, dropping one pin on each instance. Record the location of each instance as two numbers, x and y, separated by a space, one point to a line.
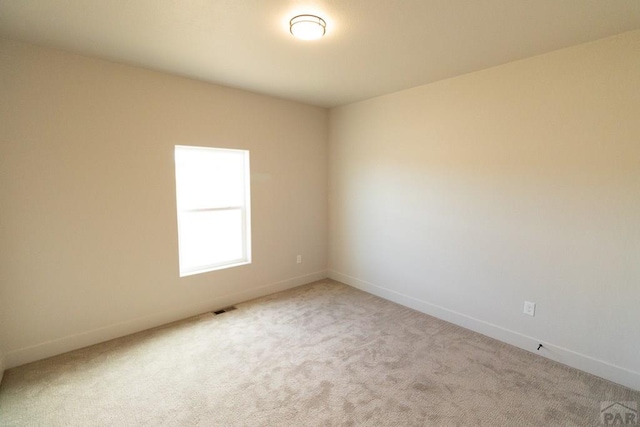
72 342
560 354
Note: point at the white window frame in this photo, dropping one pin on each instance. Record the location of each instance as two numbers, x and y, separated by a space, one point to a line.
244 208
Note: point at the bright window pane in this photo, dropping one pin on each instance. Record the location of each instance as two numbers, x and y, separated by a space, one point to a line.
211 237
210 178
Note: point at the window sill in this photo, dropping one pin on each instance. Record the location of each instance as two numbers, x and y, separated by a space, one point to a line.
215 268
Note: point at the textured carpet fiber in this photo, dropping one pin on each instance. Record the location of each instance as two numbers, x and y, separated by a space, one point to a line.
321 354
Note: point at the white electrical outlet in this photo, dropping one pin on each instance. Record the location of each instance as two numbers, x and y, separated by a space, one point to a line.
299 259
529 308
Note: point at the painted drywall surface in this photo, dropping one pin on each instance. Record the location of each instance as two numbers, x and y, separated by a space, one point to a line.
520 182
88 222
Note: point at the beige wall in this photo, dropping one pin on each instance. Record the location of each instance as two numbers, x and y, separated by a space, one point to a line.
88 222
466 197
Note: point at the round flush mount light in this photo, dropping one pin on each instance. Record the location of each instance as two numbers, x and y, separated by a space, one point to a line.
307 27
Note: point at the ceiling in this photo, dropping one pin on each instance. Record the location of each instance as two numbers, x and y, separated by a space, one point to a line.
372 47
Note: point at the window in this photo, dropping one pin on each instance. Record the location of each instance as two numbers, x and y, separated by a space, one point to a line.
214 215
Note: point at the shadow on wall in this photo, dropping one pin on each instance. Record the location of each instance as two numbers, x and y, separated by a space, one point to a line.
1 364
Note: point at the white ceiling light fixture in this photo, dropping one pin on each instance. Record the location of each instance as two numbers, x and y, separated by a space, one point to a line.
307 27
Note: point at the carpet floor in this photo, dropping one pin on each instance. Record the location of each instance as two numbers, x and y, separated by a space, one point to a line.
323 354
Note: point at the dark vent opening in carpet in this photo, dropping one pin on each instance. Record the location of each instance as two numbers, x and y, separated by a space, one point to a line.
223 310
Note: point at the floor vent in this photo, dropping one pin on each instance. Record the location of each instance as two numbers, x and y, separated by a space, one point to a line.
224 310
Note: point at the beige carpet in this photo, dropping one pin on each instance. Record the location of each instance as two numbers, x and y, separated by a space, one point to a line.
323 354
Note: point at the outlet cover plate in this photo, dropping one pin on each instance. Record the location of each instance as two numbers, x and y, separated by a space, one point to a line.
529 308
